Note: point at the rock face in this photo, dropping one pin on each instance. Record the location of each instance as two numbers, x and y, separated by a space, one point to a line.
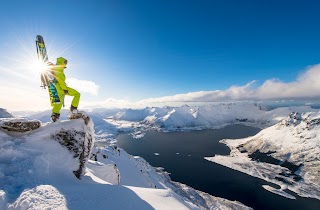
19 125
78 139
295 118
79 115
78 142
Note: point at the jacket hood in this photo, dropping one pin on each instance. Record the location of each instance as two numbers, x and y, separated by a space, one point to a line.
60 61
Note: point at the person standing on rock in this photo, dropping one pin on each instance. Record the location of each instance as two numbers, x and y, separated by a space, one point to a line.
63 90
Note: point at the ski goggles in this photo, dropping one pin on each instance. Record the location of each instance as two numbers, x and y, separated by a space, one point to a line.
65 61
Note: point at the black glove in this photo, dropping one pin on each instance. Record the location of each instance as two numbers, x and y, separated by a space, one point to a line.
65 92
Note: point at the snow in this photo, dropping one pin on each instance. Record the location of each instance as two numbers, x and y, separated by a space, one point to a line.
40 197
110 122
160 196
137 134
36 173
200 117
4 113
296 140
298 145
278 191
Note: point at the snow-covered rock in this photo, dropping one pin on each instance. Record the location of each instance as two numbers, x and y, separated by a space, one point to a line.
40 197
19 124
293 148
78 142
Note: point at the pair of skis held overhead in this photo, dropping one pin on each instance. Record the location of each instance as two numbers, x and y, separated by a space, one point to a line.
47 76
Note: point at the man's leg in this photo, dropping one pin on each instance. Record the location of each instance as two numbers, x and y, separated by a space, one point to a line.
56 109
76 97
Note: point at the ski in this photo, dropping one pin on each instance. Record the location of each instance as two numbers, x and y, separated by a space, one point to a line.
47 76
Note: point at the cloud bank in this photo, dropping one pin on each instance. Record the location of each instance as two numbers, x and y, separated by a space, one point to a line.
306 86
109 103
83 86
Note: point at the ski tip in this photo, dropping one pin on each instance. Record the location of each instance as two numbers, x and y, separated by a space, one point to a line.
39 38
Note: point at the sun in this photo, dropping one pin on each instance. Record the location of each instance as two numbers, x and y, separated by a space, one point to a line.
39 66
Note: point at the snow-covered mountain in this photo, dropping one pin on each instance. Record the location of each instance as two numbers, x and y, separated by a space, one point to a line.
201 117
37 171
109 122
286 154
171 118
4 113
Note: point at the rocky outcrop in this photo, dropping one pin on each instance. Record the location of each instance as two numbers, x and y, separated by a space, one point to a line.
78 142
19 125
78 139
296 118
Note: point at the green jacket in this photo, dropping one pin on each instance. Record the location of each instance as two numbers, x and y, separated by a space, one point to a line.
59 73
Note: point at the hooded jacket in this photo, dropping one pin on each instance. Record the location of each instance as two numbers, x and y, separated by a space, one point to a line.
59 73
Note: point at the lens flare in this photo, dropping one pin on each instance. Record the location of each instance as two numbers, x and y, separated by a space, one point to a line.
39 66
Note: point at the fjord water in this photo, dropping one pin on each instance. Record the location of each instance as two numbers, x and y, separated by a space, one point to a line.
182 155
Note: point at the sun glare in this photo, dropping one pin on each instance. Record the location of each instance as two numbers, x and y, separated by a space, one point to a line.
26 62
39 66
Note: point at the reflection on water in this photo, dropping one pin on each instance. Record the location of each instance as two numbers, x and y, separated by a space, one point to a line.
182 155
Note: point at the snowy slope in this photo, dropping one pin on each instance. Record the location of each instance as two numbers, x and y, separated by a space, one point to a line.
294 142
4 113
37 173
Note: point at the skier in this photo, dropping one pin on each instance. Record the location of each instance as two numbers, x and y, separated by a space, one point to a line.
63 90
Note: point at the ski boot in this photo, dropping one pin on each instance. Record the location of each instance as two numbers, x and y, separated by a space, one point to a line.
74 113
55 117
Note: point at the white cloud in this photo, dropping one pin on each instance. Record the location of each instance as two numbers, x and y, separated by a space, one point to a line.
19 96
16 97
109 103
233 93
306 86
83 86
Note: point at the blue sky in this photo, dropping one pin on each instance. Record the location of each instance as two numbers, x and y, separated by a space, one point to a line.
137 50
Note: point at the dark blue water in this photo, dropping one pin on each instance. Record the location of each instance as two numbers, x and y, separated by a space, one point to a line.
190 167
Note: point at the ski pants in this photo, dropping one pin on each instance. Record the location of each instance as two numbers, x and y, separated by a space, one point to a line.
71 92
